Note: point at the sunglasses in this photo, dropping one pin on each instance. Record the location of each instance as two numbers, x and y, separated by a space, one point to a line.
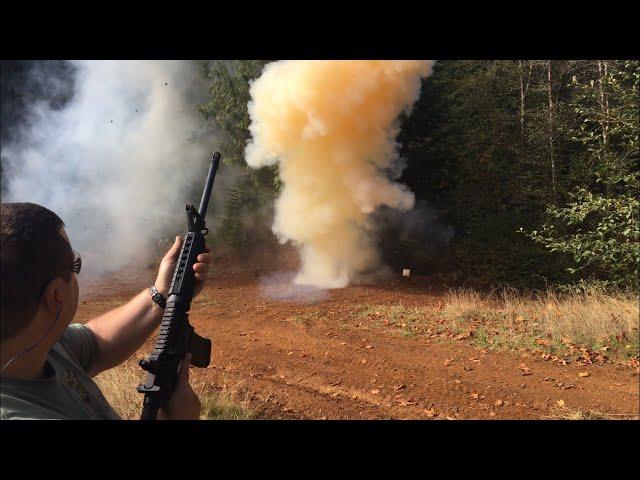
75 267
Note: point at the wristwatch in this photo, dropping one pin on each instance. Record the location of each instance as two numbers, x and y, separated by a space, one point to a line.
157 297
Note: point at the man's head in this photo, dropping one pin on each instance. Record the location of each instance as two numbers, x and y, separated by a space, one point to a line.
37 281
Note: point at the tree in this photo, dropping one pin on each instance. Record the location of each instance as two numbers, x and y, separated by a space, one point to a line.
226 111
598 227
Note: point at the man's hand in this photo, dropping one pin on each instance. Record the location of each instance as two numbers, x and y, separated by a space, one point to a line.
163 282
184 404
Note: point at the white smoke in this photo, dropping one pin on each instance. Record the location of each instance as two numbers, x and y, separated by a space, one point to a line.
120 161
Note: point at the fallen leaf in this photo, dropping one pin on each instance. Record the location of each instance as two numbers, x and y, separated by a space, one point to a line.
375 391
492 413
474 396
430 413
448 362
560 403
499 403
525 370
399 387
457 381
368 346
584 374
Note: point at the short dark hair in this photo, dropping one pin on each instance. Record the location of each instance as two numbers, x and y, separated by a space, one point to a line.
33 252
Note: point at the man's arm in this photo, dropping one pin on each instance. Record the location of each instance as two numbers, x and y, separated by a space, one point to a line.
120 332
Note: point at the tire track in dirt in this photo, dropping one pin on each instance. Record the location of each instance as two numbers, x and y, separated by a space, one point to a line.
321 361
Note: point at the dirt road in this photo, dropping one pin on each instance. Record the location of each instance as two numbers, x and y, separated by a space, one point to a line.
324 361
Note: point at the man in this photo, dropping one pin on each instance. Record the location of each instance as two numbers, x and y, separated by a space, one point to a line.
46 363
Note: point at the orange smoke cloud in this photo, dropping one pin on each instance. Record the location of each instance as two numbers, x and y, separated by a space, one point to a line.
331 126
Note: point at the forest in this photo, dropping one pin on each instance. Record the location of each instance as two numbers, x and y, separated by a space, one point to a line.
525 172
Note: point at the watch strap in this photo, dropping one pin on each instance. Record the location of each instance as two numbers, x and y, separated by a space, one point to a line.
158 298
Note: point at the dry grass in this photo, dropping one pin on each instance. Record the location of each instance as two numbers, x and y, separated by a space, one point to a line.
594 318
567 413
222 406
590 326
222 402
119 387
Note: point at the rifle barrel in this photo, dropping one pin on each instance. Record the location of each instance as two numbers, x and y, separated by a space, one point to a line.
213 168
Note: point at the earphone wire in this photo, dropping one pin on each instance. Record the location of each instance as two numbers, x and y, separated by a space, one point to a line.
27 350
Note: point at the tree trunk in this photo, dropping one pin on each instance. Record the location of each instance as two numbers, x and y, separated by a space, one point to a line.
551 152
604 102
524 86
521 100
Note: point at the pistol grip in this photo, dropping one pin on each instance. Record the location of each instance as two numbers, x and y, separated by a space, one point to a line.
200 349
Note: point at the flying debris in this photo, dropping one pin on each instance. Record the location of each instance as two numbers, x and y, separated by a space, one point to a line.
162 137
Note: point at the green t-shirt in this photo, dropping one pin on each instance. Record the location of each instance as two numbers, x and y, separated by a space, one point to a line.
66 392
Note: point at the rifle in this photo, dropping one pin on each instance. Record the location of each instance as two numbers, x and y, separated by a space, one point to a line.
177 337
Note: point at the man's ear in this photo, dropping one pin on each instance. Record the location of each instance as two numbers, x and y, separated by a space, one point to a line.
54 295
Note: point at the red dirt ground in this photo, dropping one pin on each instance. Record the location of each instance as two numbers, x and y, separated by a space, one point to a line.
330 364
